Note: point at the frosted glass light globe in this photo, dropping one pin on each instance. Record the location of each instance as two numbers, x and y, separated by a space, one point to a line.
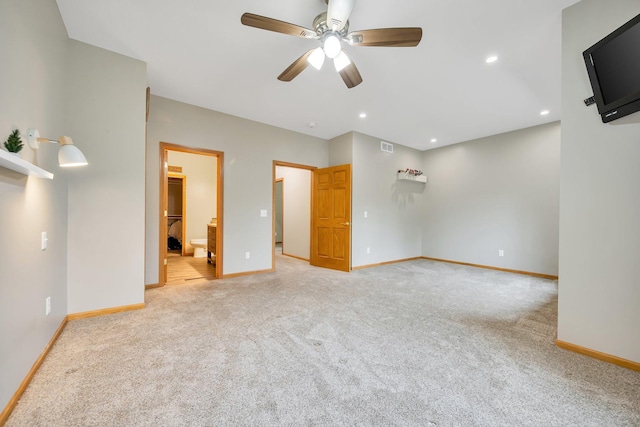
332 46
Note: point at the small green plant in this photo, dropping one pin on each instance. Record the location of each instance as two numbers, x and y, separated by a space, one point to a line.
13 144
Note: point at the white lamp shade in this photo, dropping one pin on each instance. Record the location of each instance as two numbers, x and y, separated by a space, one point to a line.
341 61
316 59
69 156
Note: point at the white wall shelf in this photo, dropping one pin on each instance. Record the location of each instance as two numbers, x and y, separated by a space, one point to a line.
15 163
405 176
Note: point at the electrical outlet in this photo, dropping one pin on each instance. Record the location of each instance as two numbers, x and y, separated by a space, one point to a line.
47 304
247 255
500 252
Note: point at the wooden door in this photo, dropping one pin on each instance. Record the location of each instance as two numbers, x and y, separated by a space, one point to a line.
331 218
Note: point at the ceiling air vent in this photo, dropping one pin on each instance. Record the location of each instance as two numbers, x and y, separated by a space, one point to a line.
386 147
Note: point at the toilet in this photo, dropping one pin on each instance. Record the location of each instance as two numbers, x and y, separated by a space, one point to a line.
199 247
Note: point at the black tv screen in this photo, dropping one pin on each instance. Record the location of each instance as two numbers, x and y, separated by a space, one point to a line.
613 65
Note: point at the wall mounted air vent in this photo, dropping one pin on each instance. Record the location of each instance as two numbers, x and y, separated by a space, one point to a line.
386 147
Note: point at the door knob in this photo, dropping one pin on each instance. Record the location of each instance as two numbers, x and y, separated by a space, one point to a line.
345 223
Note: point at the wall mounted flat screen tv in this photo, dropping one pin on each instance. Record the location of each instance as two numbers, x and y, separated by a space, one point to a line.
613 65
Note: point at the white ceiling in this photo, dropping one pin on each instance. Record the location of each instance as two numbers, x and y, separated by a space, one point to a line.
198 52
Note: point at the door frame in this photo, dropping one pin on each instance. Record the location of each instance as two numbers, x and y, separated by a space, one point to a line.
273 204
165 147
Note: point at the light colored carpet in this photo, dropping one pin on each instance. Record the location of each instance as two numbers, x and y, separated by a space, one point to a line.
416 343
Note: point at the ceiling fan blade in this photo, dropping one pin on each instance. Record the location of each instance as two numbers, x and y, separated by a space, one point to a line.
338 12
393 37
270 24
296 68
351 75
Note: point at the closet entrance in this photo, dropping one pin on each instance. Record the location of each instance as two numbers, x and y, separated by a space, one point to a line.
176 205
190 214
292 186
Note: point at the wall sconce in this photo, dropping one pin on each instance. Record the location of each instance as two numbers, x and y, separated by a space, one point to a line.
68 155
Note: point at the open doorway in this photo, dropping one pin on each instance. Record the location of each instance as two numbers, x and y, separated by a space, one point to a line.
190 214
279 215
176 206
292 185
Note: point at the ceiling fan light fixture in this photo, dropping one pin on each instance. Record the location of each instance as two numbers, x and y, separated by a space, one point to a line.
332 47
316 59
331 28
341 61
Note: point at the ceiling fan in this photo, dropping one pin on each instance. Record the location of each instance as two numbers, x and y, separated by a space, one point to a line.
331 28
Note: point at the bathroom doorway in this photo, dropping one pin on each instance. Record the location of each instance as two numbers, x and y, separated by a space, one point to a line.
190 214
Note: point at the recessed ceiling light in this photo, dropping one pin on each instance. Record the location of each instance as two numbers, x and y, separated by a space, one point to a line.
434 140
363 115
491 59
544 112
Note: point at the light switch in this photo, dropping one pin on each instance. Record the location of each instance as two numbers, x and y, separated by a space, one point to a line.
366 214
44 240
263 213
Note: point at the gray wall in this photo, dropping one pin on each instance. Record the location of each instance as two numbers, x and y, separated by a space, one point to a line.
33 46
249 150
599 292
63 87
106 108
392 229
341 150
500 192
